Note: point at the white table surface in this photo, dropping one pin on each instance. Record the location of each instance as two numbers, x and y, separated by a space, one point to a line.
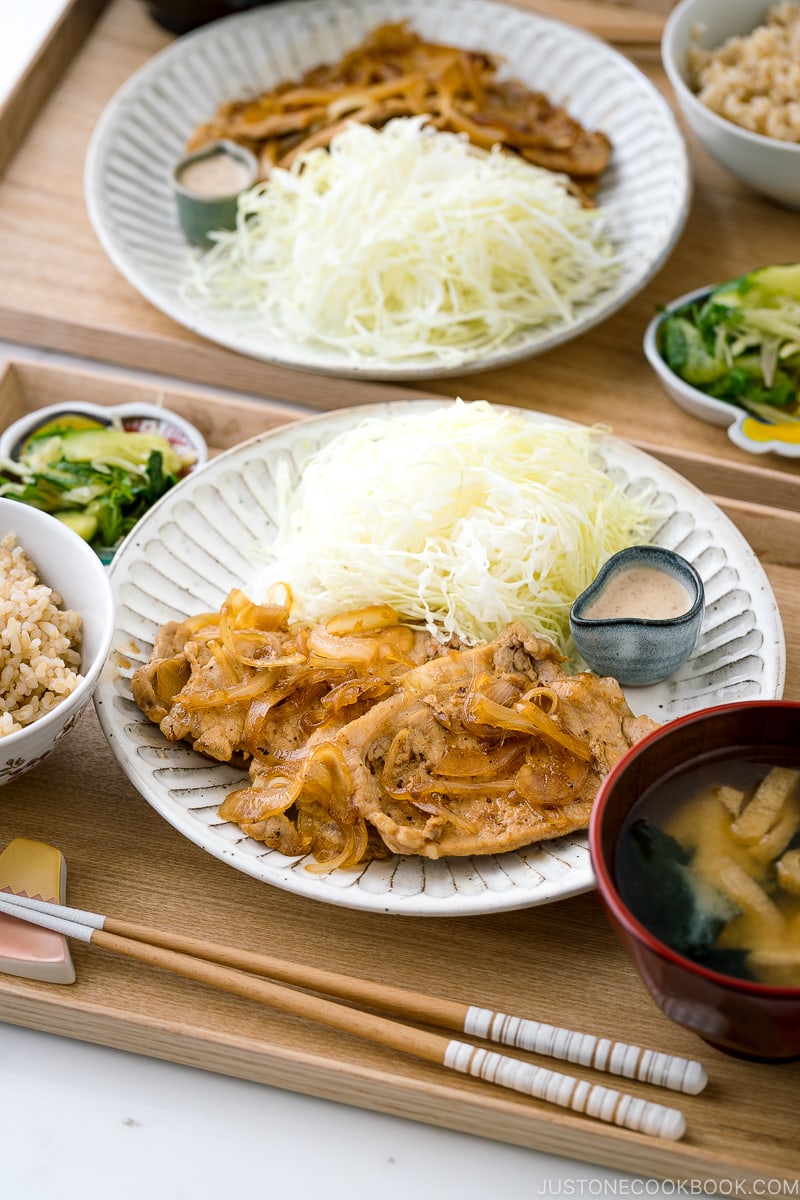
78 1120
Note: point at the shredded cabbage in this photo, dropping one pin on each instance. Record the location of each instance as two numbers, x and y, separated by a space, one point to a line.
463 518
406 241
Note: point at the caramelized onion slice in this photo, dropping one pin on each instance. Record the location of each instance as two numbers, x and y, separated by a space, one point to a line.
551 780
254 650
248 632
553 732
241 613
205 623
350 691
170 677
354 847
538 694
398 745
249 688
421 790
333 780
460 762
413 83
435 808
258 802
362 620
387 645
501 689
525 717
227 666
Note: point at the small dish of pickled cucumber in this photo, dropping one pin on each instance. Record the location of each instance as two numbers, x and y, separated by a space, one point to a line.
97 469
730 355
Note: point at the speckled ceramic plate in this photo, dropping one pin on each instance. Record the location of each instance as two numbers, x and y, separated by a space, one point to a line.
204 537
143 132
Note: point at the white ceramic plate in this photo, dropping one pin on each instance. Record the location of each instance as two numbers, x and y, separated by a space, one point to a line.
143 130
204 537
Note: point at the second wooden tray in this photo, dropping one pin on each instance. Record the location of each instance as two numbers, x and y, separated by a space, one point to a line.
559 963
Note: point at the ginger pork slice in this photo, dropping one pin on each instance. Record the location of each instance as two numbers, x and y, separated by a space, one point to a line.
182 667
300 682
486 750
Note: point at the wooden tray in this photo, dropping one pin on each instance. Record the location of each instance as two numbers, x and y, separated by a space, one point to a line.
42 74
557 963
61 291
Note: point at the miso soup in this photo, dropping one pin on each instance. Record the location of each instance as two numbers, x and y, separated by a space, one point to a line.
708 860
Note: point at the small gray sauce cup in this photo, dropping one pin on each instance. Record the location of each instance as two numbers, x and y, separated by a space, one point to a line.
635 650
200 214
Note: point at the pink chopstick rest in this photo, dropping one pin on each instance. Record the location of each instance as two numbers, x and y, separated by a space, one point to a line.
38 870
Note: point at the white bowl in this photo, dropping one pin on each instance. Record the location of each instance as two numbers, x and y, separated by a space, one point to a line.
690 399
142 416
740 424
67 564
767 165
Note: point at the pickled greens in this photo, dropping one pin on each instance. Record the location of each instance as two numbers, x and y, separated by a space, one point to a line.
407 242
741 342
463 518
99 480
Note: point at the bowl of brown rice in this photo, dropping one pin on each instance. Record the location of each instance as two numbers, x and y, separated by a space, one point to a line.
56 623
734 66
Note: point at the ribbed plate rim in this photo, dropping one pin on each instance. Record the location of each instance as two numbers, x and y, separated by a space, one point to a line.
669 166
574 874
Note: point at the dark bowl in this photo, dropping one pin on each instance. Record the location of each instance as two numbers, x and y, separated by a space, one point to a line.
181 16
741 1017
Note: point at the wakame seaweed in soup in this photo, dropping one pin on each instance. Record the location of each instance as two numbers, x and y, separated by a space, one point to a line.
709 862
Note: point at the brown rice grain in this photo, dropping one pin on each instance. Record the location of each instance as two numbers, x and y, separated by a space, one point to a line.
40 642
754 80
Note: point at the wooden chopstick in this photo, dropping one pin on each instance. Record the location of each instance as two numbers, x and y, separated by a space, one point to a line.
606 1104
568 1045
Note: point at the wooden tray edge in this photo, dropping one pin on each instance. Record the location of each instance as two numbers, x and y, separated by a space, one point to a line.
26 98
482 1111
753 482
744 490
214 411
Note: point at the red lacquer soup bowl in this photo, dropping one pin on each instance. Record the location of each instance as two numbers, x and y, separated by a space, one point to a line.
743 1016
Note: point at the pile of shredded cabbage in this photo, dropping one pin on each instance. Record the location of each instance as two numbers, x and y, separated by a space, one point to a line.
406 242
462 517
